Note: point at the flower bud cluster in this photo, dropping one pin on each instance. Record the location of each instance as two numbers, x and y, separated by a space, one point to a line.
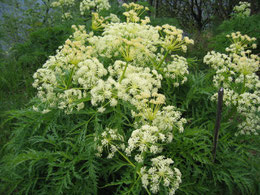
67 16
177 70
236 72
99 22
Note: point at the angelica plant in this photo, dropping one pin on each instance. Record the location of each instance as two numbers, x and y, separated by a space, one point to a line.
112 76
236 72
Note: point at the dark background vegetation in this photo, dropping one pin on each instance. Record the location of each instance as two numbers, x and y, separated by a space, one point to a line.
31 31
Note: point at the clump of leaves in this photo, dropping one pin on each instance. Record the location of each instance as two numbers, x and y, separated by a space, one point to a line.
49 154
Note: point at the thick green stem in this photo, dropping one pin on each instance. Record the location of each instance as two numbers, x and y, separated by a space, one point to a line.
165 56
123 75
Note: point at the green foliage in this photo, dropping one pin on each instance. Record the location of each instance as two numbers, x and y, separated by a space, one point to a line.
56 153
40 45
233 171
48 154
51 153
18 65
24 59
193 97
200 48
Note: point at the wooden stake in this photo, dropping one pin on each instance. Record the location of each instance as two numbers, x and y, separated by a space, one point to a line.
217 125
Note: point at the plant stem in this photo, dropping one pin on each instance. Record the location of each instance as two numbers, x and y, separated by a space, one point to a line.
244 84
166 54
147 191
123 75
126 158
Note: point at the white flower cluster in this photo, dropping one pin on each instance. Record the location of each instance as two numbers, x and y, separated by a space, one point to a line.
134 12
150 112
147 139
136 80
85 7
161 172
138 43
111 141
132 41
97 5
168 119
112 18
242 10
177 70
236 72
64 79
156 126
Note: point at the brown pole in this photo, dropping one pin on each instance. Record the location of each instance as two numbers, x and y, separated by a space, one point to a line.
217 125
